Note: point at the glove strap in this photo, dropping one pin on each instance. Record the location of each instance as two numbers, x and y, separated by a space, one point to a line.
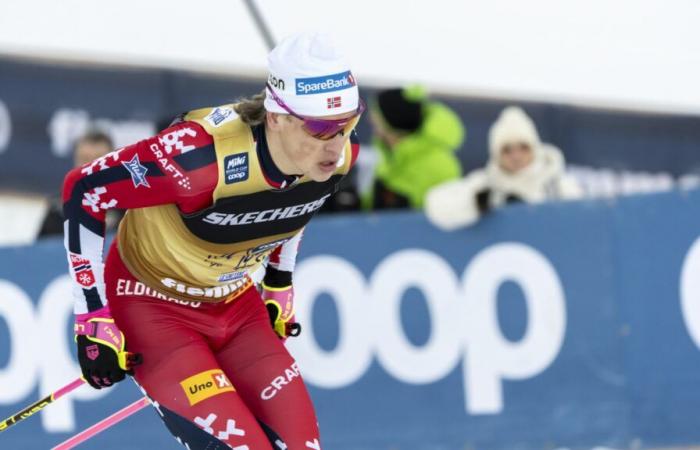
85 328
84 324
103 331
99 327
282 298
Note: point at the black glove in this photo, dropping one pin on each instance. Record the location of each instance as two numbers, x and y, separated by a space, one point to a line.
99 363
483 201
512 198
101 351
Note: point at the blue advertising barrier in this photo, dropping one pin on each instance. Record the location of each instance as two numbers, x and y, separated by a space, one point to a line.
558 326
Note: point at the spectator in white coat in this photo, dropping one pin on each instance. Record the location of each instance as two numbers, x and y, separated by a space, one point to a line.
521 168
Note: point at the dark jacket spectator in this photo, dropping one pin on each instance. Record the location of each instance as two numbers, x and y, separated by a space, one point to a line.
94 144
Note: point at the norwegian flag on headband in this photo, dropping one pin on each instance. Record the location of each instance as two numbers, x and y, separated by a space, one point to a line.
334 102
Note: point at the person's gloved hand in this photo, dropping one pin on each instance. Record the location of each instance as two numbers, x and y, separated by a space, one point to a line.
101 349
513 198
279 302
483 200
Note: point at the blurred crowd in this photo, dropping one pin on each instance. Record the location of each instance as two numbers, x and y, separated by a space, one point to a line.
409 162
412 163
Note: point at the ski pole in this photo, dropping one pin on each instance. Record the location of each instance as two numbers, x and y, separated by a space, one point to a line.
41 404
103 424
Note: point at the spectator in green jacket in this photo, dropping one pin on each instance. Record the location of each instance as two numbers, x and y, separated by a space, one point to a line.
416 139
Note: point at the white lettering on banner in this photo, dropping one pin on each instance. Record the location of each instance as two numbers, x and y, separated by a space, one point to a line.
438 282
67 125
20 373
463 325
490 357
46 354
690 291
352 355
5 127
56 363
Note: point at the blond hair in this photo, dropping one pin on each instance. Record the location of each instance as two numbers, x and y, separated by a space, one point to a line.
251 110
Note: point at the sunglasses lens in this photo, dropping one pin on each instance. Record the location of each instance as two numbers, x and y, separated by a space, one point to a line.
328 129
321 129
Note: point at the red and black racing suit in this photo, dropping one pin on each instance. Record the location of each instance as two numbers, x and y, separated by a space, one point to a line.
210 356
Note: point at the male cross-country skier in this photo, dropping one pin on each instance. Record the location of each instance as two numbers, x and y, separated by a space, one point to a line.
208 200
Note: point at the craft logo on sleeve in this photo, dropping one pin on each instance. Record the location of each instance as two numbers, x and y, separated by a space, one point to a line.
206 384
236 168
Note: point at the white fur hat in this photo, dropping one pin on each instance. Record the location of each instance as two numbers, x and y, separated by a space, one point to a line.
513 125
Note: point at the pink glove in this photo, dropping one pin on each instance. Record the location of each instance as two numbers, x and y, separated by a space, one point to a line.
279 302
